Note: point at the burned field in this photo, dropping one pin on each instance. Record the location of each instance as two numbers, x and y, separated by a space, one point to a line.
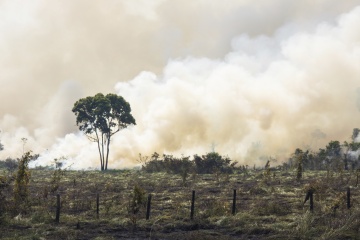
113 205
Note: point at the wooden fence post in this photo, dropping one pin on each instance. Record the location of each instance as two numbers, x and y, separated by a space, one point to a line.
192 205
97 205
57 218
234 203
309 196
348 198
311 202
148 207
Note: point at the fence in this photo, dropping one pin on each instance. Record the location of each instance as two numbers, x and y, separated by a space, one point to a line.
86 204
95 195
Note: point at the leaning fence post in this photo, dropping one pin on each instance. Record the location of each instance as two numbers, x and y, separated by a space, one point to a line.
309 196
148 207
57 218
311 202
234 203
192 205
348 198
97 205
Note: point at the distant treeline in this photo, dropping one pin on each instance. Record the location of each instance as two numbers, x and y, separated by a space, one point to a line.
335 156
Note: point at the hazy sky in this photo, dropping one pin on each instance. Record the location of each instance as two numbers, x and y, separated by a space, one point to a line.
254 77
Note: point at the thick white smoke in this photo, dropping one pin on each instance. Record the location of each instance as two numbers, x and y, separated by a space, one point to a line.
258 84
273 90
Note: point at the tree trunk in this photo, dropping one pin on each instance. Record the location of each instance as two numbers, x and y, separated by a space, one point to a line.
102 149
101 157
107 151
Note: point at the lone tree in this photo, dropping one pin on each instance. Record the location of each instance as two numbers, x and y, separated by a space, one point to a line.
100 117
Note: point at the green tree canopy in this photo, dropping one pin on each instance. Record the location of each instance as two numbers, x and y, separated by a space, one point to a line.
333 149
100 117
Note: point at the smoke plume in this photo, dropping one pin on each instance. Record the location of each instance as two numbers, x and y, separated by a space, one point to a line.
252 79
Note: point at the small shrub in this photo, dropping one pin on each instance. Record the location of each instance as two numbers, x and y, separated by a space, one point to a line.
267 172
299 170
57 175
137 202
22 179
184 175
